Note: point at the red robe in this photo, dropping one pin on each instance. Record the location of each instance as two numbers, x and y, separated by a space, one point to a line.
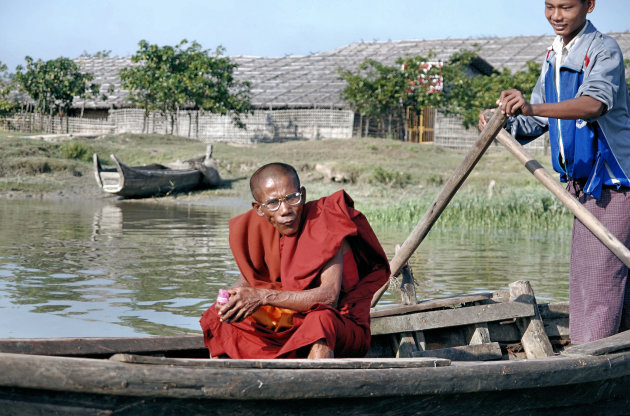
268 260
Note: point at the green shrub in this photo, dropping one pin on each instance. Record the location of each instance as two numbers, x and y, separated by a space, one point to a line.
76 150
391 178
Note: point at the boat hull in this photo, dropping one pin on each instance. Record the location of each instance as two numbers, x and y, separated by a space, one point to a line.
145 181
593 385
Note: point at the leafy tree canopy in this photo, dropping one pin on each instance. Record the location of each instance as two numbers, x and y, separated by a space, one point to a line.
376 90
53 84
6 105
168 78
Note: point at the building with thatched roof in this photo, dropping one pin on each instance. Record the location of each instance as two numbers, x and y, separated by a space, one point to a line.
299 96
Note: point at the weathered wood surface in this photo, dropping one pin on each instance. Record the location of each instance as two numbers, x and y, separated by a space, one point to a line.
404 345
601 398
100 346
444 197
422 321
535 340
618 342
478 352
302 364
390 310
479 334
204 164
142 380
151 180
584 215
148 182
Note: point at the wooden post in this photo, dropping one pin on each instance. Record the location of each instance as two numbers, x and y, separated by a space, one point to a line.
534 338
406 345
407 342
407 285
458 177
479 334
421 342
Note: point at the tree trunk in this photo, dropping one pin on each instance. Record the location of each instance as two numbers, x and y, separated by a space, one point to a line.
197 124
360 125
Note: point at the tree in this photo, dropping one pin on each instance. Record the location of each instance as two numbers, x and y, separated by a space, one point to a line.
382 92
6 85
467 96
372 90
169 78
53 84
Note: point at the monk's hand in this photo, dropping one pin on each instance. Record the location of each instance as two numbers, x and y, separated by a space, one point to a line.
513 103
243 302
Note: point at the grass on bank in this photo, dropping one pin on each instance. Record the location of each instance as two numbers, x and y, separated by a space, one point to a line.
390 181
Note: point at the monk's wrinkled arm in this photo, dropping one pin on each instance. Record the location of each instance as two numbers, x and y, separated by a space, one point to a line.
244 301
241 282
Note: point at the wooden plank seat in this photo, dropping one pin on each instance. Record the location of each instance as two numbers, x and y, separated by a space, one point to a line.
478 352
422 321
332 363
615 343
427 305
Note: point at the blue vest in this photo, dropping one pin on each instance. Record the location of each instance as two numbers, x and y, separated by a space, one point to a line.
584 144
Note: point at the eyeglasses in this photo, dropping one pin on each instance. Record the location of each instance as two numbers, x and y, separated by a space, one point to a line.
291 199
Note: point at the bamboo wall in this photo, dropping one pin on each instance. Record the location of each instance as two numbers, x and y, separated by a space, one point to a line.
450 132
262 126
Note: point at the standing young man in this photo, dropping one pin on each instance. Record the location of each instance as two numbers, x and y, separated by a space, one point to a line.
582 98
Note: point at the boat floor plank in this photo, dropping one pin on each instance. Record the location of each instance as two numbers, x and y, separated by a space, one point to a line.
476 352
302 364
450 317
99 346
614 343
390 310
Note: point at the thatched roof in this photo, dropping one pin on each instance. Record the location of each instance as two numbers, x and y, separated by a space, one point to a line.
312 81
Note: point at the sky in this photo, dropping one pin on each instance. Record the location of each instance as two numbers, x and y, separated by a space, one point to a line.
48 29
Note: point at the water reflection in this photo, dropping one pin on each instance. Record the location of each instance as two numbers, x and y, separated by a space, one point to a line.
134 268
452 262
94 270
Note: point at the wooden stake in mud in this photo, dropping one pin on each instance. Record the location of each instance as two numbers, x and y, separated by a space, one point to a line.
458 177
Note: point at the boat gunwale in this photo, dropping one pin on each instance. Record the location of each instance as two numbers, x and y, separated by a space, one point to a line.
149 380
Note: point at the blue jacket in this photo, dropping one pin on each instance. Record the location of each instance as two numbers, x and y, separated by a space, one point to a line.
595 68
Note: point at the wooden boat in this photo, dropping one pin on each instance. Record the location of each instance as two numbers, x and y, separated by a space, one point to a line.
156 179
453 356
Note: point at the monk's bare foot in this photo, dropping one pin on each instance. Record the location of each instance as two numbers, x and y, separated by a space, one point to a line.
321 350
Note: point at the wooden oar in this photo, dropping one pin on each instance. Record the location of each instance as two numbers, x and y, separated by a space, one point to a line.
569 201
458 177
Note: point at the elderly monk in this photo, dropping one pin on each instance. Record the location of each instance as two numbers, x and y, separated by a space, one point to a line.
308 273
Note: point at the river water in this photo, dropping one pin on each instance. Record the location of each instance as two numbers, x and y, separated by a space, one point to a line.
132 268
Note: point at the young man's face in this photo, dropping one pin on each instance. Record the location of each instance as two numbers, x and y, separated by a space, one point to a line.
568 16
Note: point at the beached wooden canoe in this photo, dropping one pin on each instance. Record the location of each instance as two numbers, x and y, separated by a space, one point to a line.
156 179
455 356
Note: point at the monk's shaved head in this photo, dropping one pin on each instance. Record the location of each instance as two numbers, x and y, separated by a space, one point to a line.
272 170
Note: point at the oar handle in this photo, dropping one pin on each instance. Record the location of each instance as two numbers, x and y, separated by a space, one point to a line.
458 177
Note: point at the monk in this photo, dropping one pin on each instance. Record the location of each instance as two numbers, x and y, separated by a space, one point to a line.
308 273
